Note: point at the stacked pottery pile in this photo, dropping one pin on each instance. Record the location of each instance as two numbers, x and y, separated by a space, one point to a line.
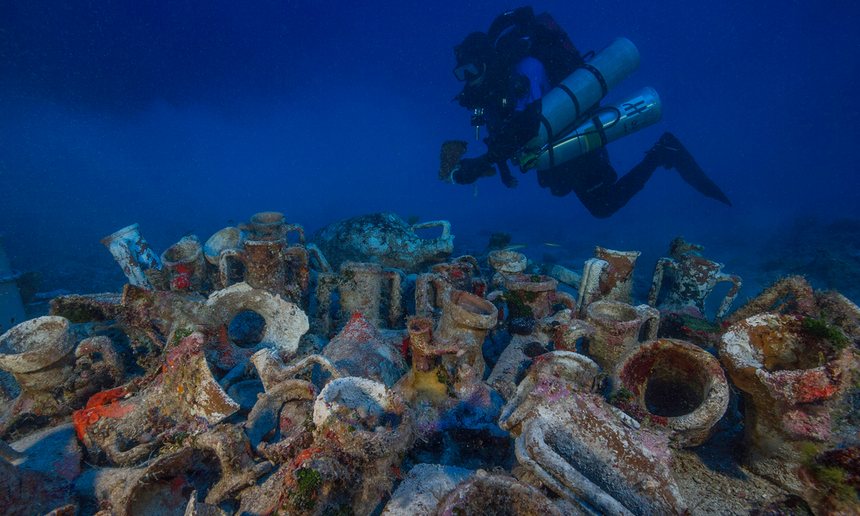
156 404
432 288
257 253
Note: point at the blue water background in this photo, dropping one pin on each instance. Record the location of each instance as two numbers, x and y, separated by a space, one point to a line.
190 116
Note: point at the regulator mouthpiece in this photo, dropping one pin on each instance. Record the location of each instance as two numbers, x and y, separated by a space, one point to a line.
477 121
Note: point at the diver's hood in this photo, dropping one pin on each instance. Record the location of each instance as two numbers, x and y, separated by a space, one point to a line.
478 67
476 49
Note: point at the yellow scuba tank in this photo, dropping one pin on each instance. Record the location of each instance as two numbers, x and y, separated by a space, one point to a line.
607 124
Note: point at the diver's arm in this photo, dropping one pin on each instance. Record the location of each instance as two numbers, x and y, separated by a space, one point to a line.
523 124
469 170
513 133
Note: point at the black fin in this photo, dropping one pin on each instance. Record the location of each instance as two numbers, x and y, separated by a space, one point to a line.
690 171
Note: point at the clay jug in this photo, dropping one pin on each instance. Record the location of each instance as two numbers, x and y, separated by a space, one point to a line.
608 276
694 278
617 328
364 288
133 254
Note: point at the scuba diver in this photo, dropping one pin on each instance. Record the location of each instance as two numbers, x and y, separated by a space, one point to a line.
540 101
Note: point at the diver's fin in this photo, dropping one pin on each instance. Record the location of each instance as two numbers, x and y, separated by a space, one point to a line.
676 156
693 174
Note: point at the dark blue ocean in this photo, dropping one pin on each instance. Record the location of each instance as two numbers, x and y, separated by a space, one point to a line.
186 117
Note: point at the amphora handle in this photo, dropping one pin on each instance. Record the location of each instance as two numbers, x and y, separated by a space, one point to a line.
224 260
444 224
650 318
395 304
657 280
736 282
295 228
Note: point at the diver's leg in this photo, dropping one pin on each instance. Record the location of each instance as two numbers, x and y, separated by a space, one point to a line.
603 199
578 175
604 196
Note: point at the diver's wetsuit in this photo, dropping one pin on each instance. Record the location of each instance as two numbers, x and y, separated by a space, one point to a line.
591 177
506 72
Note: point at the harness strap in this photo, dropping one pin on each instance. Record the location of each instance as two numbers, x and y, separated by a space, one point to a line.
598 126
549 138
573 98
599 76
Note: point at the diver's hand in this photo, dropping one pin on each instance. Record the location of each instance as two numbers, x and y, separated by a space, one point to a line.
469 170
508 179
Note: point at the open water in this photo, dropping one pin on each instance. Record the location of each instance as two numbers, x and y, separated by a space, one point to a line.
189 116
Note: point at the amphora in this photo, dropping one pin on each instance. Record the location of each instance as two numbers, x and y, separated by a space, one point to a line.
693 279
608 276
617 328
365 288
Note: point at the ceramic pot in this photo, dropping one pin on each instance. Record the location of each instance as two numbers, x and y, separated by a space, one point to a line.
677 386
433 287
617 328
608 276
185 266
693 280
533 296
133 254
364 288
505 262
485 493
368 420
386 239
793 381
271 225
227 238
38 353
466 319
270 265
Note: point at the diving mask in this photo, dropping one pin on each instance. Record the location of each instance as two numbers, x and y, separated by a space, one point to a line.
469 72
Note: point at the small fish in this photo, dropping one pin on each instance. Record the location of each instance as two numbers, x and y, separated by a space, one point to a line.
552 244
515 247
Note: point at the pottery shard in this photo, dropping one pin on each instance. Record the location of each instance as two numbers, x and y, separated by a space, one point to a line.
188 382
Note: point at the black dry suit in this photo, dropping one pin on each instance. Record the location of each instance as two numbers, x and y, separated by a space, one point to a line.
496 89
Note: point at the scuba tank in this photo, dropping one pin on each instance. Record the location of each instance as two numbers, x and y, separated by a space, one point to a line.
607 124
566 106
563 107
